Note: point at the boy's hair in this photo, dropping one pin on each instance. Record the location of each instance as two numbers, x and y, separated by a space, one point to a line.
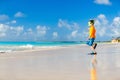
92 21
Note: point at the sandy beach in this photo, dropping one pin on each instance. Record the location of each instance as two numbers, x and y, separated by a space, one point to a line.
67 63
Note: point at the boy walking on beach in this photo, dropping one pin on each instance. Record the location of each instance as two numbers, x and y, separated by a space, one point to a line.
92 36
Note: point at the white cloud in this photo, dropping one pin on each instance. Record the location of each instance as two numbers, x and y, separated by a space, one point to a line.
115 27
55 34
101 28
41 30
3 27
11 22
101 24
106 29
74 33
72 29
116 32
3 30
116 21
105 2
2 34
29 34
17 30
68 25
103 19
19 14
63 23
14 21
6 30
30 31
4 17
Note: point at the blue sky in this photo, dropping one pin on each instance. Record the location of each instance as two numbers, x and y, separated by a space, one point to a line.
58 20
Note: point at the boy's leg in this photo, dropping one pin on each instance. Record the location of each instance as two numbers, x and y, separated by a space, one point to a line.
92 48
94 45
90 43
93 51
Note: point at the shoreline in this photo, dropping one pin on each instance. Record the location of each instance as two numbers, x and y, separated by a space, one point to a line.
44 48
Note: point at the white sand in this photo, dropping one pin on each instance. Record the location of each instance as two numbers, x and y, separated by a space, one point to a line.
69 63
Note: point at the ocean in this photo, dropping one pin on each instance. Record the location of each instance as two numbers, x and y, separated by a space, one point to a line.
21 46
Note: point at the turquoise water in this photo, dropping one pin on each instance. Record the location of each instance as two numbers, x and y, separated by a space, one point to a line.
37 43
16 46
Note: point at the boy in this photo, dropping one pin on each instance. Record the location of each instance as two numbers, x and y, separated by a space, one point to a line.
92 36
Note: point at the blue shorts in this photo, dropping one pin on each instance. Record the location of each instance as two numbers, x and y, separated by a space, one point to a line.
90 41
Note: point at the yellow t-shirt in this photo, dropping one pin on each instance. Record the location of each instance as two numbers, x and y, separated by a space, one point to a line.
92 32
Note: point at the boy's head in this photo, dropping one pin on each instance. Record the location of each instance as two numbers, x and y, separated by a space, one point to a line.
91 22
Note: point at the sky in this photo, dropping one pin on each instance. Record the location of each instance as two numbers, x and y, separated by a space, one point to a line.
58 20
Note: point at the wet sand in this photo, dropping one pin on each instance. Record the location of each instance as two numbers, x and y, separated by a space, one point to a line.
68 63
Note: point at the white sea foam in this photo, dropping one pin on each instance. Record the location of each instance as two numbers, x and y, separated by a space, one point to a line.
28 46
8 49
5 51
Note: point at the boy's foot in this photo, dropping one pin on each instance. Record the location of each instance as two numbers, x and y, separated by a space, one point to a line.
92 53
94 45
